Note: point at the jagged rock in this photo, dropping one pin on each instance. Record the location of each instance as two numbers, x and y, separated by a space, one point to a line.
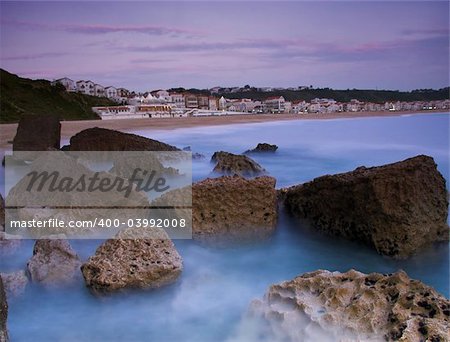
234 208
397 208
37 133
14 282
54 262
233 164
133 263
102 139
262 148
3 314
354 306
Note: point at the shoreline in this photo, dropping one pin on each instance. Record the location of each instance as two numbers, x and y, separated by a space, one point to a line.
70 128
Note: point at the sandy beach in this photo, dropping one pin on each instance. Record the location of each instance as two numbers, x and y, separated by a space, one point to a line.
69 128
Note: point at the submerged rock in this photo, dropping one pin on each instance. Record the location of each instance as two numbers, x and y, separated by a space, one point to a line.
102 139
14 282
263 148
54 262
397 208
133 263
233 164
353 306
234 208
3 314
37 133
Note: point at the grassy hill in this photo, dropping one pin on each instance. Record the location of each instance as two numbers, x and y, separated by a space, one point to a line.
21 96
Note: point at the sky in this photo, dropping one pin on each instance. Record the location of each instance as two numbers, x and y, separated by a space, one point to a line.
149 45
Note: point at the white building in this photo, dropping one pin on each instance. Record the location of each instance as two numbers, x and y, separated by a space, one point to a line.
176 99
111 92
275 104
222 103
68 83
86 87
99 90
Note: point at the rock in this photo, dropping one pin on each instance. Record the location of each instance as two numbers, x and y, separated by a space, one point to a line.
2 213
133 263
102 139
37 133
14 282
124 166
354 306
197 156
233 164
262 148
234 208
54 262
397 208
8 244
3 314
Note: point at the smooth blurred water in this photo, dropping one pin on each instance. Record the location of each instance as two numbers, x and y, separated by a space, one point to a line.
217 284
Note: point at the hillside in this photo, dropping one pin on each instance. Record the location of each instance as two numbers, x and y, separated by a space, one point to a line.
378 96
19 96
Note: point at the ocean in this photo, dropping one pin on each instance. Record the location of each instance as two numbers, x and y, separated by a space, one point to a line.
217 285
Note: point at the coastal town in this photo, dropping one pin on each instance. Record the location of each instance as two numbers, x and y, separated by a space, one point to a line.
165 103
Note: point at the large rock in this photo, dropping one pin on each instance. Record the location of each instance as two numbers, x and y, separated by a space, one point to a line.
397 208
234 208
54 262
133 263
353 306
14 282
102 139
263 148
37 133
3 313
233 164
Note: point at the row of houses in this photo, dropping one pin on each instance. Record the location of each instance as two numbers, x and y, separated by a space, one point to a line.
278 104
179 103
93 89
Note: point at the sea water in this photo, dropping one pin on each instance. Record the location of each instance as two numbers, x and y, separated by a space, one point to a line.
212 295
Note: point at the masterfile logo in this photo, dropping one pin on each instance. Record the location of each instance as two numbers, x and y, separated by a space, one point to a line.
98 194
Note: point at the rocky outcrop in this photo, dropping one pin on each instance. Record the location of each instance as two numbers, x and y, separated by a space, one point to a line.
232 164
102 139
133 263
353 306
397 208
263 148
2 213
37 133
3 314
14 282
234 208
54 262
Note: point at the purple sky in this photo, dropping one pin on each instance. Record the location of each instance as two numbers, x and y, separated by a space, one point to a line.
148 45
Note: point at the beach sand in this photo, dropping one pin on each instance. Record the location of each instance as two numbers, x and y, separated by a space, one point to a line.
69 128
